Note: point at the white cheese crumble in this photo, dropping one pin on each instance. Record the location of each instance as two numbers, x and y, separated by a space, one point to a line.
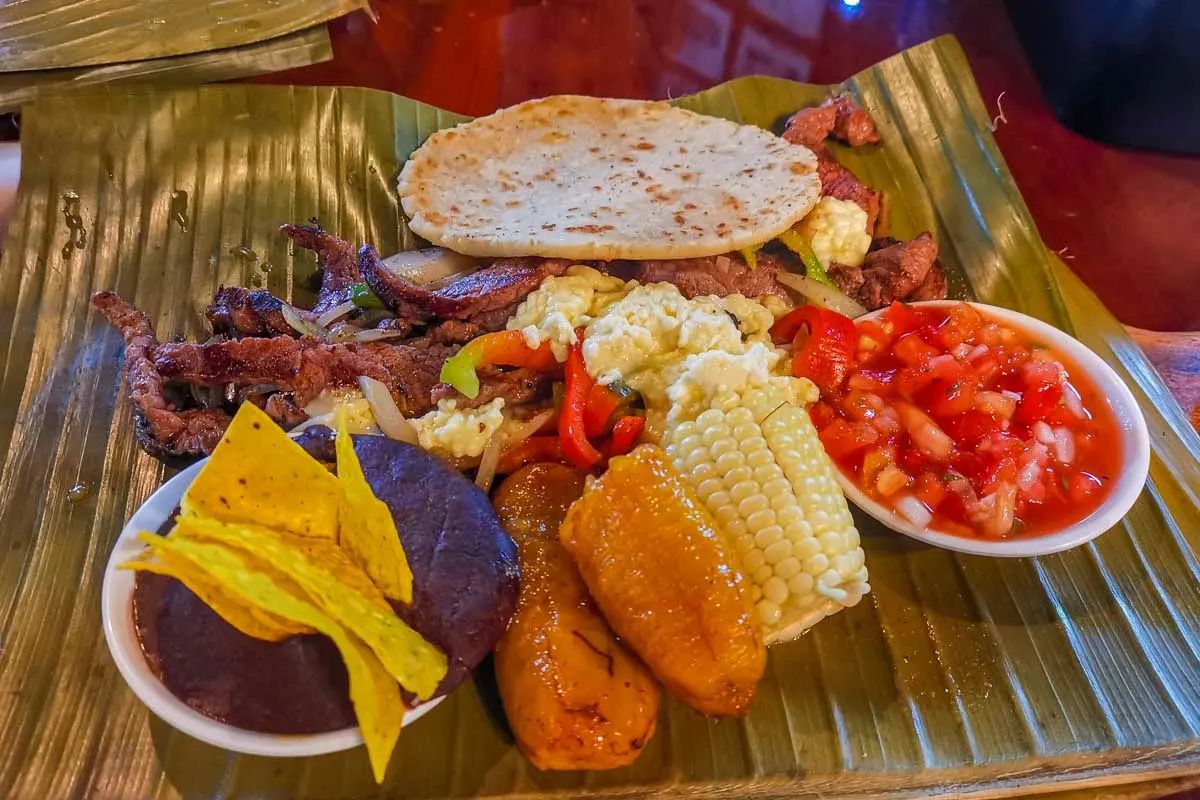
461 433
837 231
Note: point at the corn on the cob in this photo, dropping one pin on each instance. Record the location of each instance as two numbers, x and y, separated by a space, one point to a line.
754 459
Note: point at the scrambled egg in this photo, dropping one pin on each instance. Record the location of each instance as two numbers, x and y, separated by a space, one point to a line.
561 304
837 231
459 432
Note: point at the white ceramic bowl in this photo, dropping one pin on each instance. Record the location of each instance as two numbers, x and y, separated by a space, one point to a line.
117 608
1135 449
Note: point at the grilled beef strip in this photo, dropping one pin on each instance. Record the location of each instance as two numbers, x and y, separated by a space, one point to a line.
170 435
306 367
500 285
236 311
516 386
718 275
339 264
893 270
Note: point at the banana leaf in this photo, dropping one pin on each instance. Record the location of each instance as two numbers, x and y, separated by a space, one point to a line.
58 34
300 49
961 675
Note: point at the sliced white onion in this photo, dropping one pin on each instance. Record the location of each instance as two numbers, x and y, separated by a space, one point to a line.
1064 445
913 510
293 317
386 412
1073 401
429 265
821 295
377 334
517 431
334 314
1043 433
924 431
488 460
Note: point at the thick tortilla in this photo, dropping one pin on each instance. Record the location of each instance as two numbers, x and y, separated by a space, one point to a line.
590 178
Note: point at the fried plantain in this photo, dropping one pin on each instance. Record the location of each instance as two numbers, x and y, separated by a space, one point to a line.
575 697
659 569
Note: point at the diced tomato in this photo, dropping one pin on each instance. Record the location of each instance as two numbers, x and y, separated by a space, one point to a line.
951 399
984 369
930 490
871 380
841 438
1044 403
913 350
1082 486
822 414
901 319
961 326
971 428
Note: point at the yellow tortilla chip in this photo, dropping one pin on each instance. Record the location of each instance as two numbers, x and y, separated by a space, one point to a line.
321 551
247 618
259 475
375 695
414 662
366 529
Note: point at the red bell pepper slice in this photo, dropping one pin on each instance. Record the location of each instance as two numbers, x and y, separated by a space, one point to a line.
824 345
602 403
500 349
577 386
625 434
533 450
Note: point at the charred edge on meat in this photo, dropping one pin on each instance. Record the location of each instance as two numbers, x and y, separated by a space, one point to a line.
339 265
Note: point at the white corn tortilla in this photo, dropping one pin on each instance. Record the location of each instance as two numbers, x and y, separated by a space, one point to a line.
591 178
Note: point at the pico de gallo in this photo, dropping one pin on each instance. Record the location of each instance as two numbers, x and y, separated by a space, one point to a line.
958 422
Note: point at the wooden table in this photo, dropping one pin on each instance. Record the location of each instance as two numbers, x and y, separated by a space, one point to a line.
1120 219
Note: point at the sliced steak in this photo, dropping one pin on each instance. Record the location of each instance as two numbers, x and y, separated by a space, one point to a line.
236 311
811 126
499 286
284 411
168 434
339 266
717 275
891 271
933 287
515 386
306 367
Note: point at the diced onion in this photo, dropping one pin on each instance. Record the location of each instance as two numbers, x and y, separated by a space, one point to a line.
334 314
1043 433
429 265
978 351
386 412
377 334
995 403
1003 504
1064 445
891 480
293 317
1012 395
821 295
961 351
1073 401
913 510
1027 478
924 432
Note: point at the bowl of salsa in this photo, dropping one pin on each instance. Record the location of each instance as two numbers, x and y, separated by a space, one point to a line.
974 428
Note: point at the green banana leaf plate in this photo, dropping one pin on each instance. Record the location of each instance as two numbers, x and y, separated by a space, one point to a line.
961 676
59 34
